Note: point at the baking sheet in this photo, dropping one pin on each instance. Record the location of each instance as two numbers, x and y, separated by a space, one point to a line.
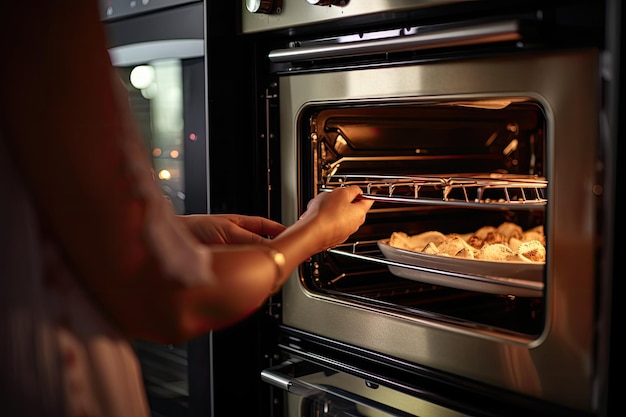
523 279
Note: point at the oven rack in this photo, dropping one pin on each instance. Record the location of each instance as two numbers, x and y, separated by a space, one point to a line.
493 190
363 250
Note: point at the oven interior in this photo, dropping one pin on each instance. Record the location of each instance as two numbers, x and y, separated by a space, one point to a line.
451 166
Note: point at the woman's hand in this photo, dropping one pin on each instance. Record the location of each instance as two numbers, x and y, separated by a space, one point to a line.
220 229
337 214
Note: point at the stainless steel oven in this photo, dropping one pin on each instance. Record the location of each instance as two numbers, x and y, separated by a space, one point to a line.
477 147
455 117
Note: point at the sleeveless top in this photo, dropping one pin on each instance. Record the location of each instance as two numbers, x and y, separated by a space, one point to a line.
59 355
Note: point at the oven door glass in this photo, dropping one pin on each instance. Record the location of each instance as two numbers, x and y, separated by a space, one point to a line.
167 98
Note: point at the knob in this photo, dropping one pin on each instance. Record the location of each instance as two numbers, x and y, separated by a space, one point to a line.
264 6
328 2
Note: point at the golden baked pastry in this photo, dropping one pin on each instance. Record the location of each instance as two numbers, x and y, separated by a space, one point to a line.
400 240
496 237
420 240
536 233
532 250
415 242
431 249
484 231
494 252
505 243
476 242
465 253
510 230
453 245
514 244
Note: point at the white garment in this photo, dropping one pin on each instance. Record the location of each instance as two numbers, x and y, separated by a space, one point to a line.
59 356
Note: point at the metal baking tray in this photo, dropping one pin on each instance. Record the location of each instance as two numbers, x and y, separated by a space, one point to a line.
522 279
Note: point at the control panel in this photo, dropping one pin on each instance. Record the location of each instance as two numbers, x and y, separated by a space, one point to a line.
116 9
267 15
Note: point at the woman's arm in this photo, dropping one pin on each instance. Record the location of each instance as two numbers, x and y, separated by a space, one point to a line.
72 136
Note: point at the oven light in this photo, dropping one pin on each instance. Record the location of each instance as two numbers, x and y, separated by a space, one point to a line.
511 147
340 143
493 137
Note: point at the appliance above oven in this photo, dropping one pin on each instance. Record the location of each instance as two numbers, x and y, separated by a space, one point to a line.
116 9
262 15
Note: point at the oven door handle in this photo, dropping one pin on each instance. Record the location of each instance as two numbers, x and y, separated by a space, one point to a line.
280 376
509 30
286 376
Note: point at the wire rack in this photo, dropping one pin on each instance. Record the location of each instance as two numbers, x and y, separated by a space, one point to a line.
501 190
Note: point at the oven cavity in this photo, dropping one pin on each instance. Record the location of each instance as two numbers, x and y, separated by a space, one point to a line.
455 167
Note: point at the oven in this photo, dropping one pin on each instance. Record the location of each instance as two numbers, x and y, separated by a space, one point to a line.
474 122
453 147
